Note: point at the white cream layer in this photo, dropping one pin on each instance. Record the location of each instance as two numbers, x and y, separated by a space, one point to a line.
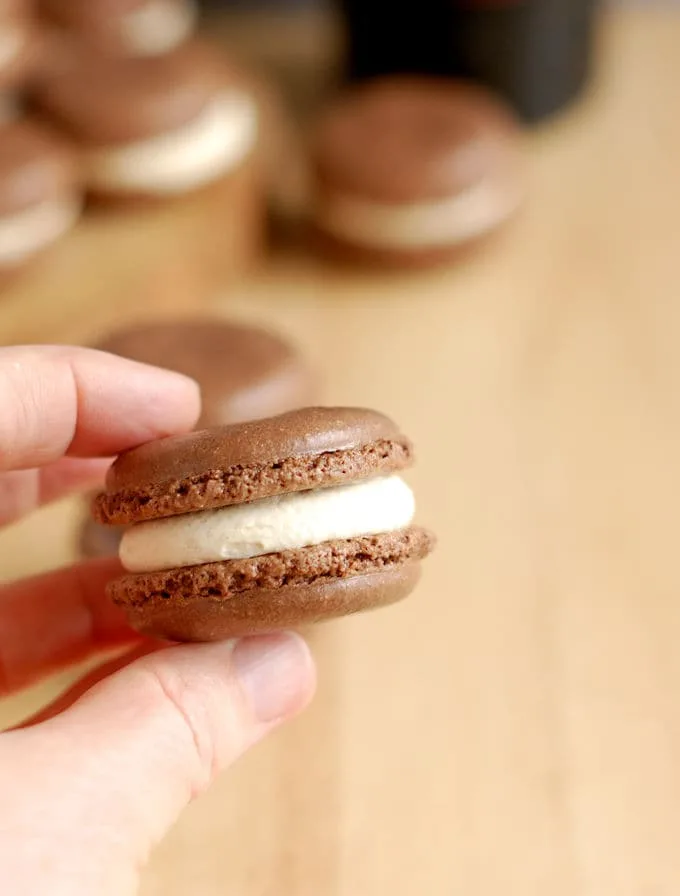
284 522
420 225
25 233
181 160
158 26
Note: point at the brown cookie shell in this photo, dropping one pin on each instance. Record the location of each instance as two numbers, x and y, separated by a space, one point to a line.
245 372
106 100
36 165
304 448
409 139
340 558
258 611
239 484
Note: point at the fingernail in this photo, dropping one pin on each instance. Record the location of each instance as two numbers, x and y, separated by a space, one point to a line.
276 673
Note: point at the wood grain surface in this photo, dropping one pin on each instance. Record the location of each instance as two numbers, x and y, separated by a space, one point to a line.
514 728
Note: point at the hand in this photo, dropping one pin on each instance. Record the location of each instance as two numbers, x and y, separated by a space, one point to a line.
89 786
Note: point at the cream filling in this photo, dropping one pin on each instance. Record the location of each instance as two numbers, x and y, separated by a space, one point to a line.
25 233
184 159
12 41
159 26
281 523
417 225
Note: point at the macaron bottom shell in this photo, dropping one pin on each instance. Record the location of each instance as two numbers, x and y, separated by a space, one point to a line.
200 619
344 254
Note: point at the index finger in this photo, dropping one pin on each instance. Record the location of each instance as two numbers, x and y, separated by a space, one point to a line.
60 400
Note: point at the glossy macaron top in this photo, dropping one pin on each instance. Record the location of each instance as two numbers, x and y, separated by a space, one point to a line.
406 139
245 372
36 165
301 449
106 100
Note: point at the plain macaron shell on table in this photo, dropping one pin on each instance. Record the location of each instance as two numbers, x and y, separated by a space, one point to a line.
264 525
153 127
407 170
244 373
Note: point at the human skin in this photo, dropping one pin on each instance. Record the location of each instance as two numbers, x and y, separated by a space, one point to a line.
93 782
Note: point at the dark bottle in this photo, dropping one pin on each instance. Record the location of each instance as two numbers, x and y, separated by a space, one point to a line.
535 53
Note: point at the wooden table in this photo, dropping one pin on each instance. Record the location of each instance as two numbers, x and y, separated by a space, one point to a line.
514 729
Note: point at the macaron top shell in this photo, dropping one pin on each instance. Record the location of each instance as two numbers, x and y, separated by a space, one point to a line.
297 433
36 165
244 372
306 448
106 100
407 139
197 605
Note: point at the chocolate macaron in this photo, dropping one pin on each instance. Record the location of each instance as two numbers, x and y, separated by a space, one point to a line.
127 27
258 526
40 197
153 127
244 372
407 170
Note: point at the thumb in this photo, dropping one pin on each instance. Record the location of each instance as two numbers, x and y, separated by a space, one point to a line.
98 786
